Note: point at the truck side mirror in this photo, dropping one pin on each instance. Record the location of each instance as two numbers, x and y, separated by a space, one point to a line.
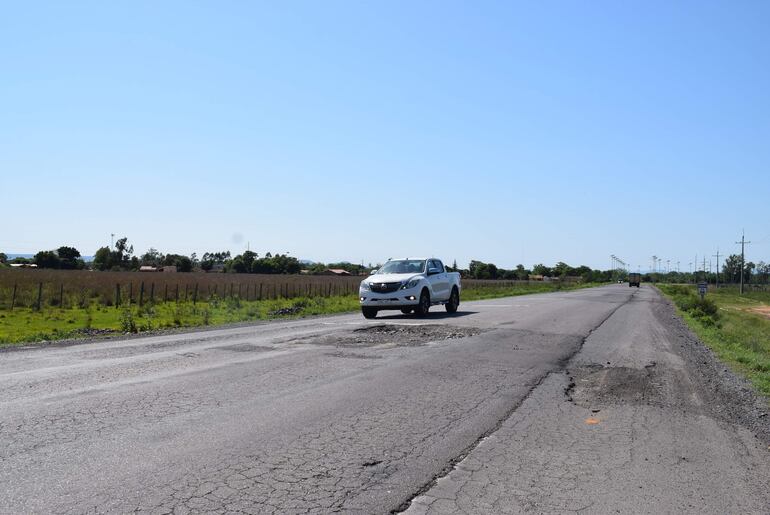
373 272
433 271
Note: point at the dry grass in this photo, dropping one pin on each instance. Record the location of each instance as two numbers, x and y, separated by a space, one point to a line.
78 287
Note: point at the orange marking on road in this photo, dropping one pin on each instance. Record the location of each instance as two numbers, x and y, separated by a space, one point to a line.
592 421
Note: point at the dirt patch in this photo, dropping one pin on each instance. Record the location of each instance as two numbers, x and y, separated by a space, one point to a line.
761 310
394 334
596 385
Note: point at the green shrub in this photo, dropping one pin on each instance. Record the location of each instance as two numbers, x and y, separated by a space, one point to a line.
127 321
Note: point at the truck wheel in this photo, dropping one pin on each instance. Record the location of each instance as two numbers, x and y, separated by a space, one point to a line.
369 312
453 302
424 305
406 311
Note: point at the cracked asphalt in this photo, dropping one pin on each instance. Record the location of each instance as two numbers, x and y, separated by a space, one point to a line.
593 400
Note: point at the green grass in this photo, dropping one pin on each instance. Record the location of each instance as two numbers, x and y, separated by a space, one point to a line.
24 325
738 335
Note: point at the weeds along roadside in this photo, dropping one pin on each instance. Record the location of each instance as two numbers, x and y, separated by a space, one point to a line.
90 318
732 325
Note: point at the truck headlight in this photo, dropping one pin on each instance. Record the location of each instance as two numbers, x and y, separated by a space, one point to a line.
410 284
365 286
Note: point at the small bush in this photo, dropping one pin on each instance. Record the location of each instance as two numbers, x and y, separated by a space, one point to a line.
127 321
704 310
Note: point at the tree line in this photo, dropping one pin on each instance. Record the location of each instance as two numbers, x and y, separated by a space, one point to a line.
121 257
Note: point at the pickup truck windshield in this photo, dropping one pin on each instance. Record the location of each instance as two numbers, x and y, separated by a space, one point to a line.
403 266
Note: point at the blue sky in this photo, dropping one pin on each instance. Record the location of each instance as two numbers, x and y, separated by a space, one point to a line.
506 132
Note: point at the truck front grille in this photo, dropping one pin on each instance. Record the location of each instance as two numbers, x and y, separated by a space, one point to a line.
385 287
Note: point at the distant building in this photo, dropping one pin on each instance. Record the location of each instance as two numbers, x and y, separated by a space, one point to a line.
167 269
336 271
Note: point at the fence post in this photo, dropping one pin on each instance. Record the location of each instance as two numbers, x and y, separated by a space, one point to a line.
13 297
61 296
152 293
165 293
117 295
239 290
195 294
141 294
130 293
177 293
185 293
39 295
260 291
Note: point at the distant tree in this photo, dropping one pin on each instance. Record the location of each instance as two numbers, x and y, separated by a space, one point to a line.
731 270
562 269
521 272
182 263
481 270
152 258
278 264
47 259
248 258
763 272
541 269
210 259
3 258
121 258
69 258
102 259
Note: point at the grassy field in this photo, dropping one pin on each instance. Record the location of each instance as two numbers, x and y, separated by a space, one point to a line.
735 327
25 324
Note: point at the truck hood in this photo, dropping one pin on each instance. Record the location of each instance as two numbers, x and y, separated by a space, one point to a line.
390 278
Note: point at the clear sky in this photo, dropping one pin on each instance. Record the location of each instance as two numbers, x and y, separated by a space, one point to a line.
506 132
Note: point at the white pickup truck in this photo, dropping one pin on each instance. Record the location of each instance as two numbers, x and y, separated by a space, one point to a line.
412 284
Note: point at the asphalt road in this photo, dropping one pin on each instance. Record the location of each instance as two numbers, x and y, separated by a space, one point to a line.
593 400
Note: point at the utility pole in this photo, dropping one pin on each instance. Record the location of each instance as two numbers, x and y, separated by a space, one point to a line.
112 240
717 256
743 243
695 275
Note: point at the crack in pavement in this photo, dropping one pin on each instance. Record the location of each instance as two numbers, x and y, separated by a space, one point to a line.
460 457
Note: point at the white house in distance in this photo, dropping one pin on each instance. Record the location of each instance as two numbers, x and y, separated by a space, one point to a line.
167 269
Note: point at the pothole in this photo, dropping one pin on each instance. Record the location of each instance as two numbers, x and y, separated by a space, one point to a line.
394 334
597 385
